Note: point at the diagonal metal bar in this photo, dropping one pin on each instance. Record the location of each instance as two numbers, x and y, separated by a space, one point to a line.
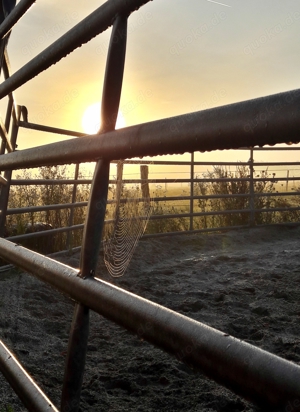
95 220
3 181
24 386
91 26
14 16
75 361
4 136
50 129
251 372
258 122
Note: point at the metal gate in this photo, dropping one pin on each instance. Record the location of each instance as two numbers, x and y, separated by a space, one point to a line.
251 372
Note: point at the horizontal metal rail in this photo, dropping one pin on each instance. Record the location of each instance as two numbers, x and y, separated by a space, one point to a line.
276 148
49 129
276 163
19 238
24 386
33 209
50 182
54 182
219 128
207 180
181 163
249 371
277 209
194 231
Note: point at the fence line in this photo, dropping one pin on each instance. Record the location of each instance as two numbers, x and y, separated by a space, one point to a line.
192 197
271 381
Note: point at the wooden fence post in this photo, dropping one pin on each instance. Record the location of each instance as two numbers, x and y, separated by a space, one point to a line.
145 184
69 244
119 186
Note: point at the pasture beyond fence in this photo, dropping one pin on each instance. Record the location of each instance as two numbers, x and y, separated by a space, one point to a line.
203 196
255 374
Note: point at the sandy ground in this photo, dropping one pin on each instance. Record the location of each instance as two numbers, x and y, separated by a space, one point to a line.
245 283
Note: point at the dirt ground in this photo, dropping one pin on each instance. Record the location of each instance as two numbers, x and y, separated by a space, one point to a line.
245 283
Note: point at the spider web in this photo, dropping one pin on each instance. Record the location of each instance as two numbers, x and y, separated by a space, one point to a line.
131 212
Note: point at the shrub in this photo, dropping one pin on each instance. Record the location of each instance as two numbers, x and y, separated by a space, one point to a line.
38 195
223 182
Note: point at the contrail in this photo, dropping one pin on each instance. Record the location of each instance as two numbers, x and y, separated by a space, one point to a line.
222 4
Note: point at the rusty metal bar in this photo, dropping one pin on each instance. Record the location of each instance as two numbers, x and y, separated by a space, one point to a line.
214 129
91 26
24 386
251 372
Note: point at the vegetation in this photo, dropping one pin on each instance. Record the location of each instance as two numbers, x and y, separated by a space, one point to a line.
237 192
6 408
38 195
235 185
165 208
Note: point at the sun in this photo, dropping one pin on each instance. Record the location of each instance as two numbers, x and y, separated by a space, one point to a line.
91 119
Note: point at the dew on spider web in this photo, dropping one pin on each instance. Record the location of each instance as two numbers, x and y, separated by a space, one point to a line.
131 211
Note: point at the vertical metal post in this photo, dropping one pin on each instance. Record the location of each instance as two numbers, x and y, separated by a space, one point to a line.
8 174
77 347
120 167
71 218
251 189
192 192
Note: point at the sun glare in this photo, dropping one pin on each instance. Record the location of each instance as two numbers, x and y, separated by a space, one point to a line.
91 119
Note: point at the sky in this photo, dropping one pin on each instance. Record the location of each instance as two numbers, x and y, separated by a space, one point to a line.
182 56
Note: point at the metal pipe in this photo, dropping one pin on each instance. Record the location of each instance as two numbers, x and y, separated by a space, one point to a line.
18 11
50 232
35 182
192 173
276 119
33 209
95 219
22 383
49 129
4 136
8 173
249 371
91 26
